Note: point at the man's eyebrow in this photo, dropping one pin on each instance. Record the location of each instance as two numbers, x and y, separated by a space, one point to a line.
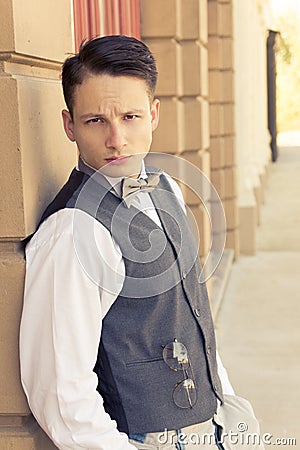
90 115
99 115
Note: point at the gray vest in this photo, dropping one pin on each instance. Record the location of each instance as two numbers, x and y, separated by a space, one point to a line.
135 382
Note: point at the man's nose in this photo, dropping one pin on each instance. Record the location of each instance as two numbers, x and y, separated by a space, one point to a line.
116 139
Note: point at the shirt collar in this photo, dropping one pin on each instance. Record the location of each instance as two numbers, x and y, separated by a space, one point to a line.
115 182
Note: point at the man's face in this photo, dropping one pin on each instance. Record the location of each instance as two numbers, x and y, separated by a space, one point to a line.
112 123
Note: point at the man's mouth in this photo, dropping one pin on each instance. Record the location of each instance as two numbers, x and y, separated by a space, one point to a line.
116 160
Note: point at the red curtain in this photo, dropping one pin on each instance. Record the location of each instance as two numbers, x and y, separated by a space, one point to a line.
118 17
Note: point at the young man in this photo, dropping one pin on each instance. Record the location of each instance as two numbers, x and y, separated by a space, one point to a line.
117 342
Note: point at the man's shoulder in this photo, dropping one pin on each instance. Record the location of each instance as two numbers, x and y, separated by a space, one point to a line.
56 225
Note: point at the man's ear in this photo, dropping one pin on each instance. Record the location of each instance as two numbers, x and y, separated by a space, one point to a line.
155 113
68 124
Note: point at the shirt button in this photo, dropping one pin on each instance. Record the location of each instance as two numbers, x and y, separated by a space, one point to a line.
184 274
197 312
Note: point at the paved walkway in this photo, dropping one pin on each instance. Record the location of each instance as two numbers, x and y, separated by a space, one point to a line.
258 324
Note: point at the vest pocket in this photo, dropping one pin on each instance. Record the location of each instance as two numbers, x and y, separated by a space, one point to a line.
143 361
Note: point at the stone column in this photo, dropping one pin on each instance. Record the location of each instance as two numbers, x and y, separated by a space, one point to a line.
253 151
222 113
176 32
35 37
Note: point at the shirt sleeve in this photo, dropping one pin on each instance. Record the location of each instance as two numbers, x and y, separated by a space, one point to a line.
60 333
223 375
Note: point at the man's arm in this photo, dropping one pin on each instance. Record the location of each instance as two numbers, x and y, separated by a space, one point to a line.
59 338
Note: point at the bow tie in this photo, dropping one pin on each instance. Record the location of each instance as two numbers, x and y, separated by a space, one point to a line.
132 186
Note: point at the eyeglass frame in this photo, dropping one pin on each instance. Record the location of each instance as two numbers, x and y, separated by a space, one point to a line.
181 367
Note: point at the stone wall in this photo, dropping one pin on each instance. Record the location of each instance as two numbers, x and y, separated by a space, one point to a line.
35 161
192 43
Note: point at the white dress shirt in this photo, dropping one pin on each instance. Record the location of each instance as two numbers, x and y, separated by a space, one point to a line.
61 329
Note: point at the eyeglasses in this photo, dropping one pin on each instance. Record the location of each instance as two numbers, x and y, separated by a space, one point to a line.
175 356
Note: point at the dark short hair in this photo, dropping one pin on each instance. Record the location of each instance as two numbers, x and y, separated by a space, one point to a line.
112 55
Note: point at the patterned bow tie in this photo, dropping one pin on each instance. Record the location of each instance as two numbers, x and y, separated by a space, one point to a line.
132 186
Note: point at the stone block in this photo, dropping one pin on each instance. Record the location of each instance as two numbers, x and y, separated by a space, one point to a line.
229 151
228 118
195 69
215 86
205 124
230 181
6 26
217 152
196 125
33 37
159 19
190 196
199 159
217 212
228 86
23 433
47 156
11 200
218 180
189 19
216 120
12 269
196 180
213 18
225 27
226 52
191 68
203 229
168 55
169 137
215 48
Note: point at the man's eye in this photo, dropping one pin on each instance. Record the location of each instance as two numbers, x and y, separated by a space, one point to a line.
130 117
95 120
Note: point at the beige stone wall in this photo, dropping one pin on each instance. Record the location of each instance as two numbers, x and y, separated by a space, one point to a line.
222 112
193 49
35 160
252 136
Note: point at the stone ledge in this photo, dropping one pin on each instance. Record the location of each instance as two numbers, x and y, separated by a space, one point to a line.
23 65
23 433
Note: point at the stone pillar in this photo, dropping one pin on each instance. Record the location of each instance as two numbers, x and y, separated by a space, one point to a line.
252 137
222 113
35 37
176 32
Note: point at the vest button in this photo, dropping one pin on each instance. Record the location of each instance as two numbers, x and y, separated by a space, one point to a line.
197 312
208 350
184 274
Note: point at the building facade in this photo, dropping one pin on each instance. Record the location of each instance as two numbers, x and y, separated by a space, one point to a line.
211 56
